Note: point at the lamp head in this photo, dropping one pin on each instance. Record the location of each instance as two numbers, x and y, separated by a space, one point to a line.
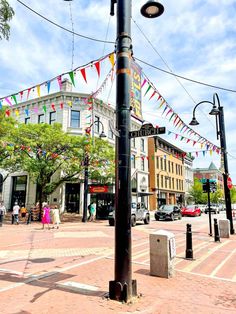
152 9
102 135
214 111
194 121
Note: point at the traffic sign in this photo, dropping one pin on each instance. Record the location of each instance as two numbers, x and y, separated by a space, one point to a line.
229 183
147 130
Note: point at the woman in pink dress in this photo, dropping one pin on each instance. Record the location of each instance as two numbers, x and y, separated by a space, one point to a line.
46 215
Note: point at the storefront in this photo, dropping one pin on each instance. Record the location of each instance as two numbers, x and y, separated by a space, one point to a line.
104 198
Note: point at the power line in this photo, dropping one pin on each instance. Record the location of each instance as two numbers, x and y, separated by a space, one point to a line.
62 27
185 78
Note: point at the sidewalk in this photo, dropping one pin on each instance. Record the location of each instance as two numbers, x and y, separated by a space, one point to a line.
68 271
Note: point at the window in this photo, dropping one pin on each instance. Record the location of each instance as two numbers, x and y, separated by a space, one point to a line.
142 163
161 181
142 145
169 166
75 119
161 163
27 120
177 184
172 167
157 160
176 168
96 124
173 183
133 142
41 118
133 161
110 133
52 117
158 181
165 164
169 183
166 180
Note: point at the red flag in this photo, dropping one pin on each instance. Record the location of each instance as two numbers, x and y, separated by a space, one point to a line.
61 105
97 65
53 107
84 74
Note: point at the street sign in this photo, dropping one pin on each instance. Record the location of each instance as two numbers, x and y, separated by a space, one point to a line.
147 130
229 183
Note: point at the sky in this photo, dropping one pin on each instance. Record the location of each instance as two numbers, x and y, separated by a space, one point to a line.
194 39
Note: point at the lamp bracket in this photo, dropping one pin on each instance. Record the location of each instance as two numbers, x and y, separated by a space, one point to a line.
113 129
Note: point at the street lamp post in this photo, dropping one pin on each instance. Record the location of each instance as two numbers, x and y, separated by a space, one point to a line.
218 111
86 173
123 288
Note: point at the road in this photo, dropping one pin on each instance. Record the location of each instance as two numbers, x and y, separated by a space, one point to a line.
44 271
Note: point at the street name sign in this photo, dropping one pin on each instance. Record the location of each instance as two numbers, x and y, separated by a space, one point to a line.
147 130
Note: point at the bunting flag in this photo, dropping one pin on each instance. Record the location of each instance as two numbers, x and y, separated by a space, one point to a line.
59 79
38 90
83 72
21 95
112 59
28 92
144 82
48 86
8 101
71 74
53 107
97 66
14 98
148 89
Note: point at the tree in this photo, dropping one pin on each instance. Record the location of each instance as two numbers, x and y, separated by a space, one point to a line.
6 14
233 195
197 193
51 156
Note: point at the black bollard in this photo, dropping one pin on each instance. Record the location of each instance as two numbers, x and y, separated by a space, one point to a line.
216 231
189 244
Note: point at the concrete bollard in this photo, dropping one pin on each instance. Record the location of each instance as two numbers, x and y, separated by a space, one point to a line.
224 226
162 254
216 231
189 243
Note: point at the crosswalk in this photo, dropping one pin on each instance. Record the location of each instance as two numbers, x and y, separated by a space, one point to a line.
212 259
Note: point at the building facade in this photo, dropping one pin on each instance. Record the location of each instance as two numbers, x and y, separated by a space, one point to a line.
212 172
72 111
166 165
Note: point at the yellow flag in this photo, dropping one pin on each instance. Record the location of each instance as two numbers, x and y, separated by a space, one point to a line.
112 59
17 112
38 90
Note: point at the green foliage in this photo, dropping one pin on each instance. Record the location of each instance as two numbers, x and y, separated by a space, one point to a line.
6 14
233 195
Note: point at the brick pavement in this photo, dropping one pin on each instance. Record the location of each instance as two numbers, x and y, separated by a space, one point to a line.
34 265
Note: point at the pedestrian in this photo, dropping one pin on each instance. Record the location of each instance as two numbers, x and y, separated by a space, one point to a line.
92 211
46 215
56 217
23 212
2 213
29 218
15 214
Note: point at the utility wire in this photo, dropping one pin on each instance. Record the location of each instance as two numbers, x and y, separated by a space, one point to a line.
111 42
185 78
73 38
65 29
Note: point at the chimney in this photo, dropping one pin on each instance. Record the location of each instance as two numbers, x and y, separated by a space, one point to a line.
66 86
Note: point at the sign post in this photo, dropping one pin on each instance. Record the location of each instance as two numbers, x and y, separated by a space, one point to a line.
147 130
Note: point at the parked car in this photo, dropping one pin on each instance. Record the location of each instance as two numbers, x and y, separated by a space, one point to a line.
168 212
202 207
139 212
214 209
191 210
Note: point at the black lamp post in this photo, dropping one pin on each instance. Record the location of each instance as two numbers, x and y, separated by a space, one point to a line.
123 288
86 173
217 110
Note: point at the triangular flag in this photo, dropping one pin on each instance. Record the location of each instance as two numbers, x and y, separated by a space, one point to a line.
59 81
112 59
144 82
53 107
21 95
44 108
162 103
8 113
83 72
164 110
48 86
61 105
8 101
38 90
152 94
169 111
69 103
14 98
17 112
97 66
0 105
148 89
172 116
71 74
28 92
27 112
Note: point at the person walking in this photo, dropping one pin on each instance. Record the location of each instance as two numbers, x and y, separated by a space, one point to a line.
15 214
56 217
2 213
30 213
46 215
92 211
23 212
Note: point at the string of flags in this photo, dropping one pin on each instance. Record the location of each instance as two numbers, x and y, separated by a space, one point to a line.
173 116
37 90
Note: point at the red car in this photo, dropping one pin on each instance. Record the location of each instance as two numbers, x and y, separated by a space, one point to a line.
191 210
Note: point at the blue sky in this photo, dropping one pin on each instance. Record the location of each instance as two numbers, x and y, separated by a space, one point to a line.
195 39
